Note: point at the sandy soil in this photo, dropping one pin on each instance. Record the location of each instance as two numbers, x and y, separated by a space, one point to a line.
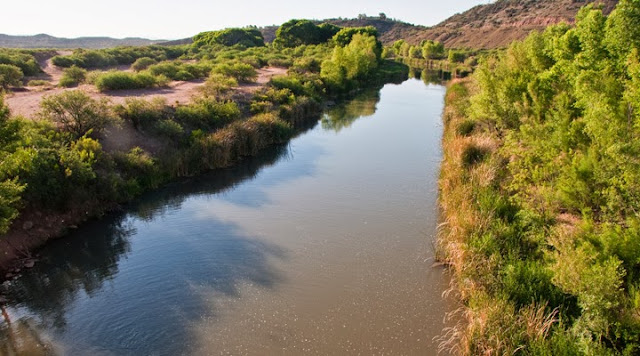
27 102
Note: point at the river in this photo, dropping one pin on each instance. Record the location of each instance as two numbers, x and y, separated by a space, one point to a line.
321 246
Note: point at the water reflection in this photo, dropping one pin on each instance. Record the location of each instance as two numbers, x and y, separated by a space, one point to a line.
345 114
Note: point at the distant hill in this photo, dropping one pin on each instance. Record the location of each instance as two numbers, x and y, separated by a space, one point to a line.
46 41
500 23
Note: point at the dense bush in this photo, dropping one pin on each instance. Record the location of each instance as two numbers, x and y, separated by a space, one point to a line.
102 58
38 83
76 112
10 75
243 73
218 84
247 37
541 194
352 63
143 114
178 70
72 76
25 61
345 35
207 113
142 63
294 33
432 50
125 80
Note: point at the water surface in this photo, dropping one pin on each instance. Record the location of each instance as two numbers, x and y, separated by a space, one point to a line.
322 246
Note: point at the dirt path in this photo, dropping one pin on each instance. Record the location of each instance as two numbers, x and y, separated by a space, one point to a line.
27 103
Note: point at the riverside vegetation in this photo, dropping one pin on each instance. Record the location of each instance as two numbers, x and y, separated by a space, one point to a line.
58 162
540 189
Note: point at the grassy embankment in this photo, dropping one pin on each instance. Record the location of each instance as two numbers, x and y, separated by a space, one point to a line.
71 164
540 192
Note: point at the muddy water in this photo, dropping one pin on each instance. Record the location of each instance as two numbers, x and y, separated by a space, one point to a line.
323 246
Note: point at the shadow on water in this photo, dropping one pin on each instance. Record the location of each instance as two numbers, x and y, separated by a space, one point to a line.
103 278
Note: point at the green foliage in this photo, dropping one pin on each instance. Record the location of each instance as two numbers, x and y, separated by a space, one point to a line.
38 83
433 50
218 84
246 37
76 112
142 114
177 70
124 80
21 59
345 35
456 56
241 72
103 58
351 63
555 202
207 113
72 76
143 63
294 33
10 75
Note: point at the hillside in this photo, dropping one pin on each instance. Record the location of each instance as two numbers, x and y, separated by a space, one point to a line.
484 26
499 23
46 41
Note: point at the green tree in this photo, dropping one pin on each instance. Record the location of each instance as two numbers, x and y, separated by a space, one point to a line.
294 33
247 37
76 112
432 50
10 75
344 36
72 76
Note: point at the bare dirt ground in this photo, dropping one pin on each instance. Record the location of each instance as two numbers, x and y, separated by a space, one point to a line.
27 102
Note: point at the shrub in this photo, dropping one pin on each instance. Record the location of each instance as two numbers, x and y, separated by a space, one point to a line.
142 113
345 35
294 33
218 84
206 113
169 129
142 63
473 154
72 76
19 58
76 112
244 73
124 80
246 37
280 62
38 83
466 127
10 75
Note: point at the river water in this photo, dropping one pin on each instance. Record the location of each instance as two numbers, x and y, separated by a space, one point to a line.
322 246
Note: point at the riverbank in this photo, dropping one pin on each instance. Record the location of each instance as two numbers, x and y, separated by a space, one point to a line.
540 195
222 148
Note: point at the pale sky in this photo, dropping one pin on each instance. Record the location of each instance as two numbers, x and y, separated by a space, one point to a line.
174 19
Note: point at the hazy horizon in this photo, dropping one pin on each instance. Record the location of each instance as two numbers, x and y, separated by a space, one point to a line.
163 20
